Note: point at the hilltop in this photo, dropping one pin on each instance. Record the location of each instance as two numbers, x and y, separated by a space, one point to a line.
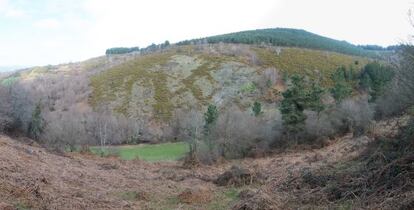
291 38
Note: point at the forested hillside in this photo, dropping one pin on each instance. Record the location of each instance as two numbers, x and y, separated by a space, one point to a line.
291 38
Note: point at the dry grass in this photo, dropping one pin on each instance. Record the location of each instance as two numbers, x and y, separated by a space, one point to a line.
33 178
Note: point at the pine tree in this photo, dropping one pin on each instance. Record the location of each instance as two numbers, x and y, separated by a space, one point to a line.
342 88
374 78
257 108
36 124
296 99
210 117
314 98
293 105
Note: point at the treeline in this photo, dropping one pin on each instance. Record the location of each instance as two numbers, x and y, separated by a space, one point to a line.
277 37
380 48
285 37
123 50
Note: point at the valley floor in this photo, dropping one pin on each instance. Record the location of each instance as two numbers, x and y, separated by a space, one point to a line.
33 178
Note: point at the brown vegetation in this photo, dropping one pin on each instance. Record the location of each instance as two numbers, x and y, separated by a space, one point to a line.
32 177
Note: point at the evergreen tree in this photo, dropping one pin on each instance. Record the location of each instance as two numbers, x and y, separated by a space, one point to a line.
374 78
293 105
210 117
314 98
166 43
342 87
36 124
257 108
296 99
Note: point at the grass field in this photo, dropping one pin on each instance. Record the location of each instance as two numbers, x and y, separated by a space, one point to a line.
148 152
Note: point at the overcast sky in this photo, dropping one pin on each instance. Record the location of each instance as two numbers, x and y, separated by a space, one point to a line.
41 32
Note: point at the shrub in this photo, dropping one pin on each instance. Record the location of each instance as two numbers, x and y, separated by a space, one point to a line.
356 114
238 134
249 87
399 95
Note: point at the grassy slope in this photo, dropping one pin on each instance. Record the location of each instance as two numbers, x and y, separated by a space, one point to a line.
150 71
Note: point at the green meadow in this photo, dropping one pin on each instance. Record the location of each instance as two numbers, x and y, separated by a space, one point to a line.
148 152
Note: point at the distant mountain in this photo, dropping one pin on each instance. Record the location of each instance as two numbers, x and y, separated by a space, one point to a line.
10 68
288 38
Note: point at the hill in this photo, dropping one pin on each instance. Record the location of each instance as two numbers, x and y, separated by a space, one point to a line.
146 91
192 76
290 38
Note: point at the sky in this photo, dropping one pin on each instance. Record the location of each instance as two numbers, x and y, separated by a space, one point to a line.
43 32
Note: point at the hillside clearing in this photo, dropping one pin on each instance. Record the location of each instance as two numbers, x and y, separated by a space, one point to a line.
148 152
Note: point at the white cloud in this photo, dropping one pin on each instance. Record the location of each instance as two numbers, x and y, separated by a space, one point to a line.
4 3
9 11
15 13
48 23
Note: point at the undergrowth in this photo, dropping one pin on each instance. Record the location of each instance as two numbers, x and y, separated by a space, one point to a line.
380 178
